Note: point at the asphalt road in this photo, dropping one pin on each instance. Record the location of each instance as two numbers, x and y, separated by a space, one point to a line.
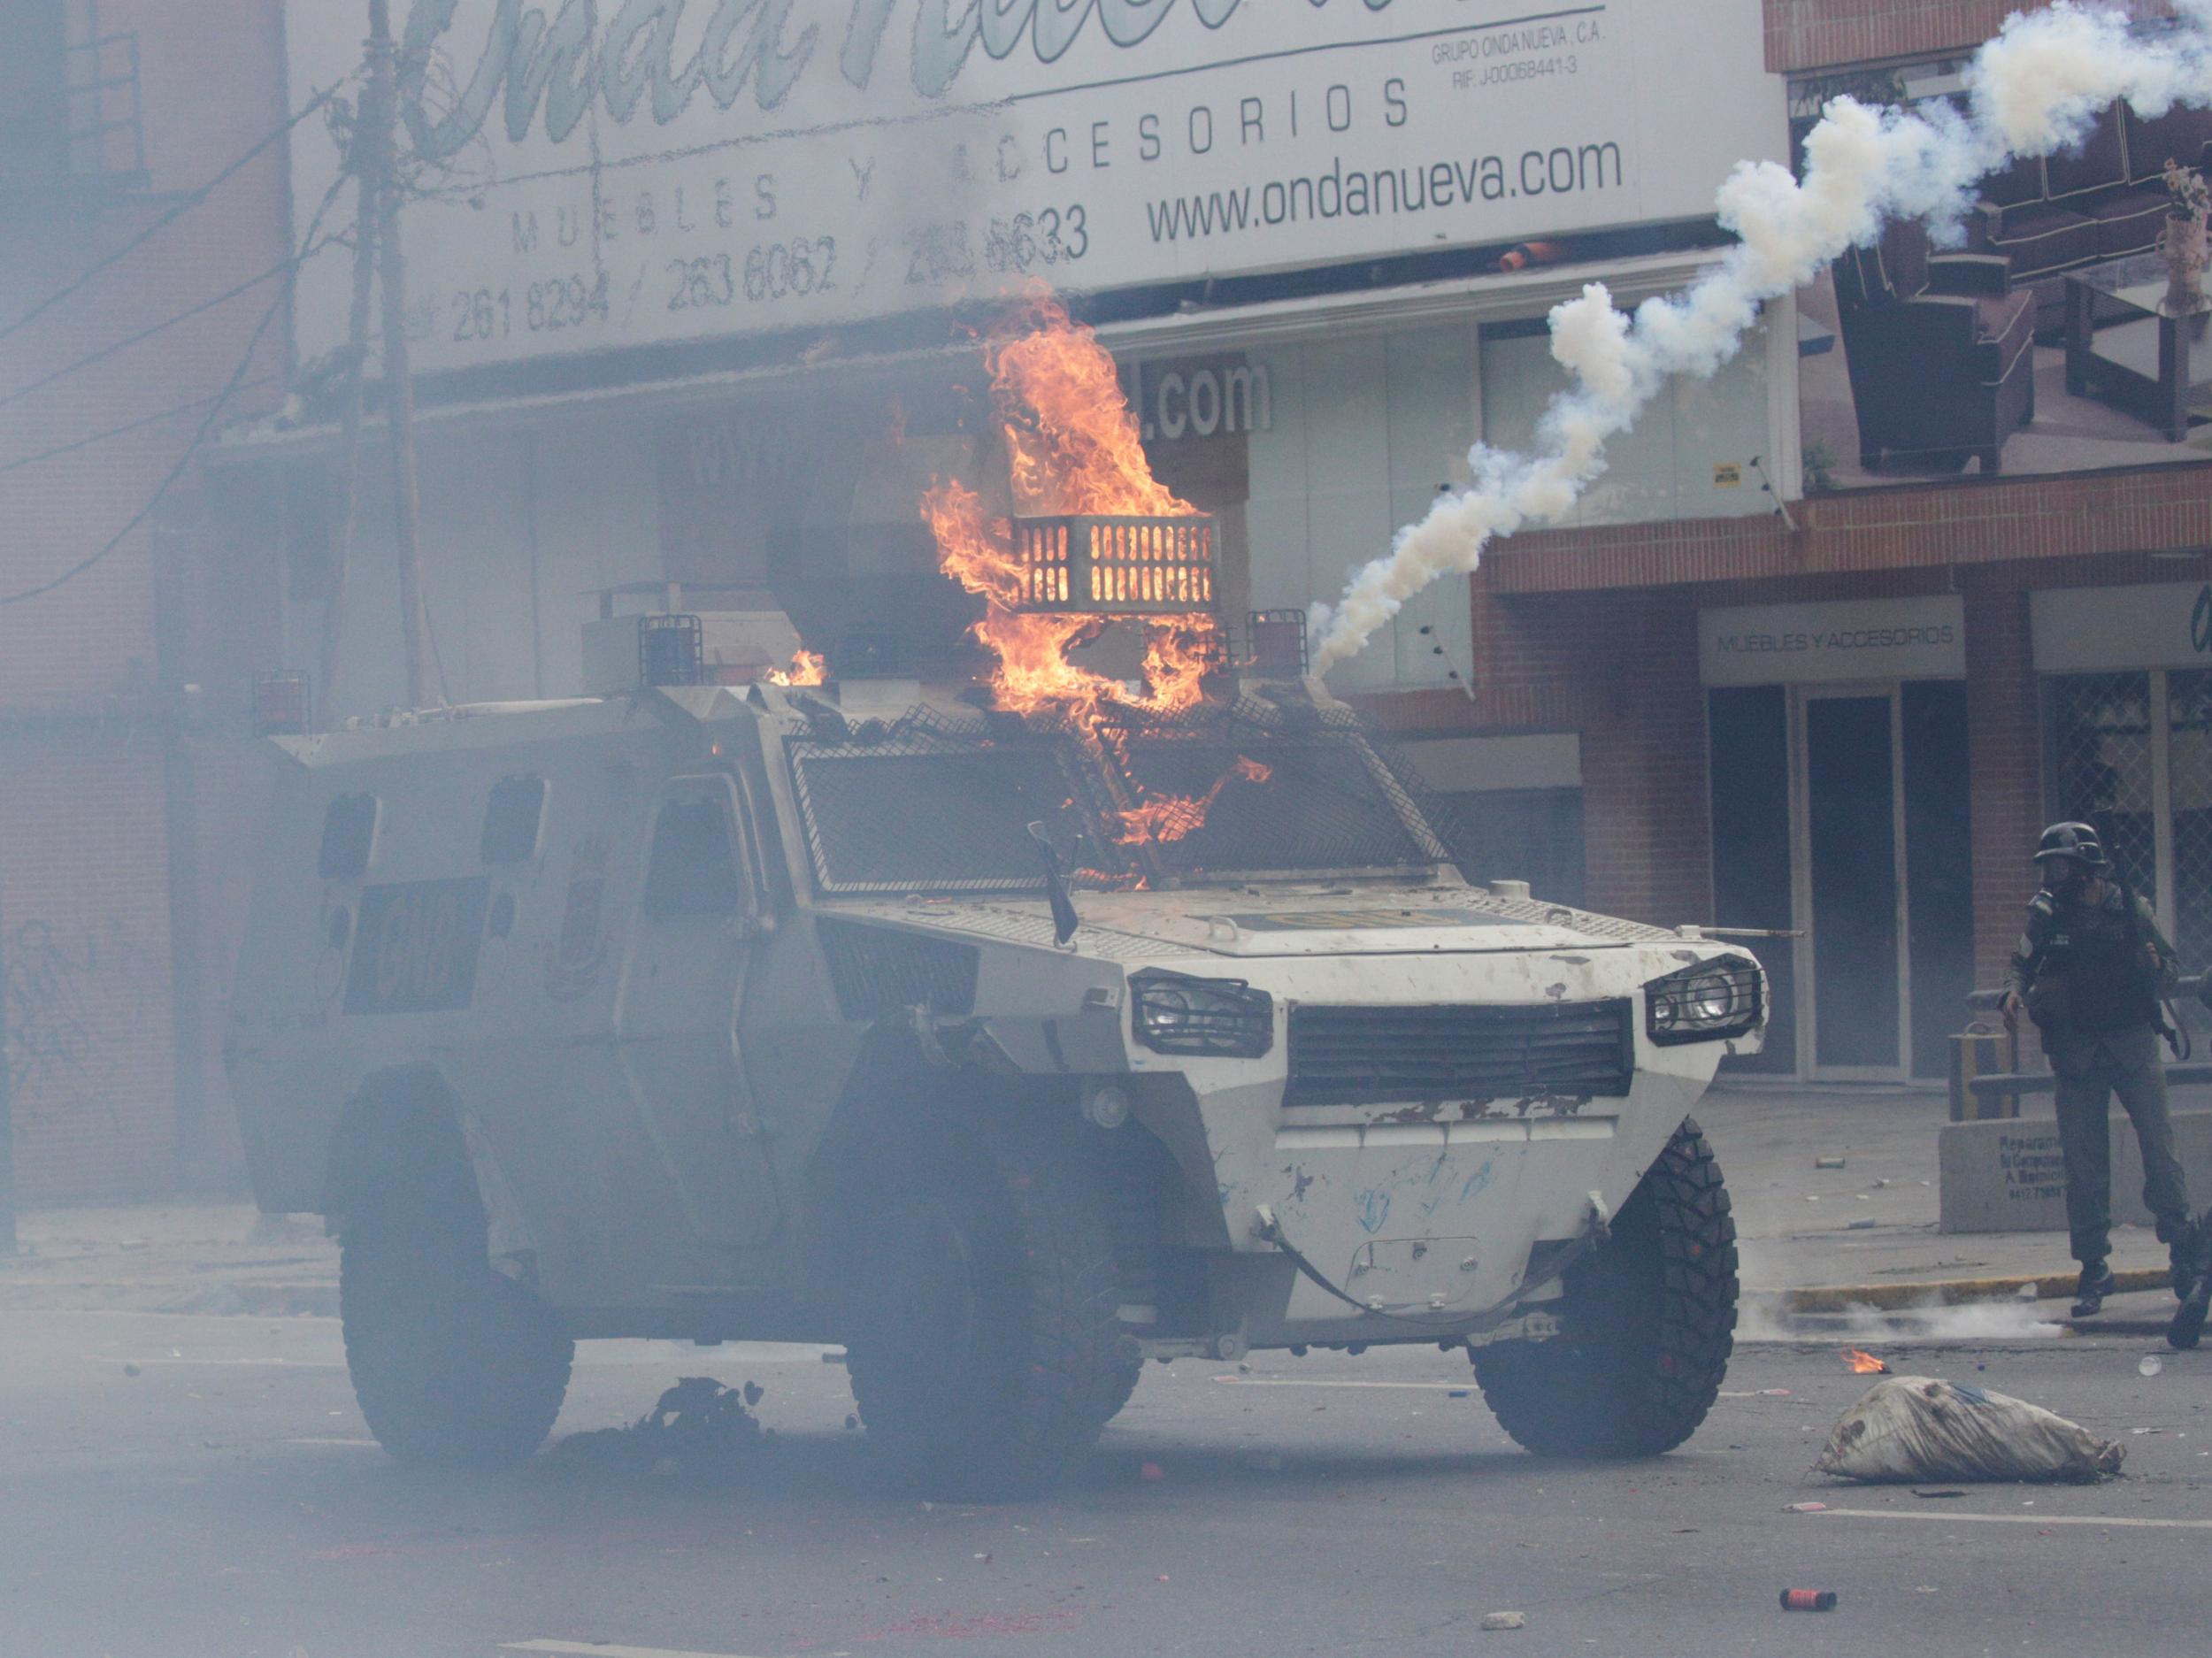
223 1500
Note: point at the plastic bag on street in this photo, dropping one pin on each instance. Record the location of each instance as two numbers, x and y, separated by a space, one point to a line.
1910 1427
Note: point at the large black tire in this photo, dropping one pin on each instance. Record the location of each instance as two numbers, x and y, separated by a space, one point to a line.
1646 1328
1125 1370
453 1363
984 1345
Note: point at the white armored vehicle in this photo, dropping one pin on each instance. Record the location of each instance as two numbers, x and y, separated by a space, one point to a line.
712 1012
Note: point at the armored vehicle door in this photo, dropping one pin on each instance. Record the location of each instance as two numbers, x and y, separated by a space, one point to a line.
675 1014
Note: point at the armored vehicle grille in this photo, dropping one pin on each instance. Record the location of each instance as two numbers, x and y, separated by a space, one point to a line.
1375 1056
877 971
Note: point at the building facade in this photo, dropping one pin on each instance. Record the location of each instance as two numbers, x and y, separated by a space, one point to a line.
1871 703
693 314
118 733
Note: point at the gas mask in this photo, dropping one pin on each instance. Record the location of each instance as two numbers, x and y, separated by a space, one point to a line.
2066 877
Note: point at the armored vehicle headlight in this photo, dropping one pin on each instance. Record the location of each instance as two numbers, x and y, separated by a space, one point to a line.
1704 1002
1226 1017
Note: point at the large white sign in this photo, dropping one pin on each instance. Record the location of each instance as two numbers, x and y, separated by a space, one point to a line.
1817 644
2092 630
641 172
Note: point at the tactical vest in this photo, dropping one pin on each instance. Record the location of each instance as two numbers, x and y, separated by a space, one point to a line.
2099 953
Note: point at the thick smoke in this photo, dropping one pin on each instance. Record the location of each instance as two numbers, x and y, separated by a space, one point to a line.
2032 91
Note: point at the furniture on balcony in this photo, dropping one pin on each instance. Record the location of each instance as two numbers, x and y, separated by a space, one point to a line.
1940 348
2123 340
2106 200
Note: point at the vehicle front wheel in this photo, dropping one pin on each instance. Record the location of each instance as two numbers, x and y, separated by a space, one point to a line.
1646 1324
453 1362
984 1346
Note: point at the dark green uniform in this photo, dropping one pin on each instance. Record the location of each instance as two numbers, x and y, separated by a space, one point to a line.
2082 969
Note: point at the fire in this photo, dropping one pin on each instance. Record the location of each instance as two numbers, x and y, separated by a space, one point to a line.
1072 447
1171 817
1864 1363
808 667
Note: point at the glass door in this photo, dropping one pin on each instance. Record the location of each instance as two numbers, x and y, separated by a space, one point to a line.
1852 963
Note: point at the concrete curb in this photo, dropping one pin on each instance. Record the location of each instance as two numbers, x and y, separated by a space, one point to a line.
1841 1298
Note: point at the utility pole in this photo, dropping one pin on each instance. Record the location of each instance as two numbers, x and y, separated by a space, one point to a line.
7 1118
371 135
399 387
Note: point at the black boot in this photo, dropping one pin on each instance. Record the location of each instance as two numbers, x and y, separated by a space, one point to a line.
2185 1252
2192 1282
2188 1323
2096 1284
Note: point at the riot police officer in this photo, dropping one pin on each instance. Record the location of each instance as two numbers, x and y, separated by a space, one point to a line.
2092 970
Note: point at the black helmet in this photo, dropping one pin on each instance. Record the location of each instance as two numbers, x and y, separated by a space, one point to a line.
2075 840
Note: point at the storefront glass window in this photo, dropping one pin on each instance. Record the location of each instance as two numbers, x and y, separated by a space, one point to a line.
2132 753
2102 770
1689 455
2189 737
1361 433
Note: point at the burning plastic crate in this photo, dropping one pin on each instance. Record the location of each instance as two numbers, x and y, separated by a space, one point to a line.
1102 565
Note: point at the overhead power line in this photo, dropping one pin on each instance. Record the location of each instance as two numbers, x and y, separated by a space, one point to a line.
206 426
177 209
312 241
289 263
154 419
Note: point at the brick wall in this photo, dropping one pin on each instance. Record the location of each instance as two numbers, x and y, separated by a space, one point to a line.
84 949
85 810
2080 515
1825 33
1620 668
2006 795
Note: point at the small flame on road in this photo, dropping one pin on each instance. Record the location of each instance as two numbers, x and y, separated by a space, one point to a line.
1864 1363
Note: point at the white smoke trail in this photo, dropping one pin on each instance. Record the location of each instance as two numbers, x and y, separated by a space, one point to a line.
2033 89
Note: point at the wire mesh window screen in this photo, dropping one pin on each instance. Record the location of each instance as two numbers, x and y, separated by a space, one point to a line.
1267 795
933 805
2189 765
2102 767
926 813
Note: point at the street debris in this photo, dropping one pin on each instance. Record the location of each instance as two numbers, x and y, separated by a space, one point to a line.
1949 1491
1828 1162
1809 1599
1808 1507
2149 1364
697 1426
1867 1225
1910 1427
1505 1620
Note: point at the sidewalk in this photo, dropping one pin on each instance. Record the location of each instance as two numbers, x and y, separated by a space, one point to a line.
175 1257
1822 1241
1802 1253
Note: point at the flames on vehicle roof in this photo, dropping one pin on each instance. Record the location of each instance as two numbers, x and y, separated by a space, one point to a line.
1096 540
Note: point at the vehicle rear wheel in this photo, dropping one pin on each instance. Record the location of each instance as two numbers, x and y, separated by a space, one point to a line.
1124 1371
1647 1325
453 1362
984 1342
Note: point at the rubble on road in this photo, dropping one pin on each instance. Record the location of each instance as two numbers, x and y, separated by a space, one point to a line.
697 1426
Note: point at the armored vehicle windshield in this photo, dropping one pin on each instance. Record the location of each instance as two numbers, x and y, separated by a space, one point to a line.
1249 791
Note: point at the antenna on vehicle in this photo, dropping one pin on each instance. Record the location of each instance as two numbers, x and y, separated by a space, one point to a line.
1064 920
